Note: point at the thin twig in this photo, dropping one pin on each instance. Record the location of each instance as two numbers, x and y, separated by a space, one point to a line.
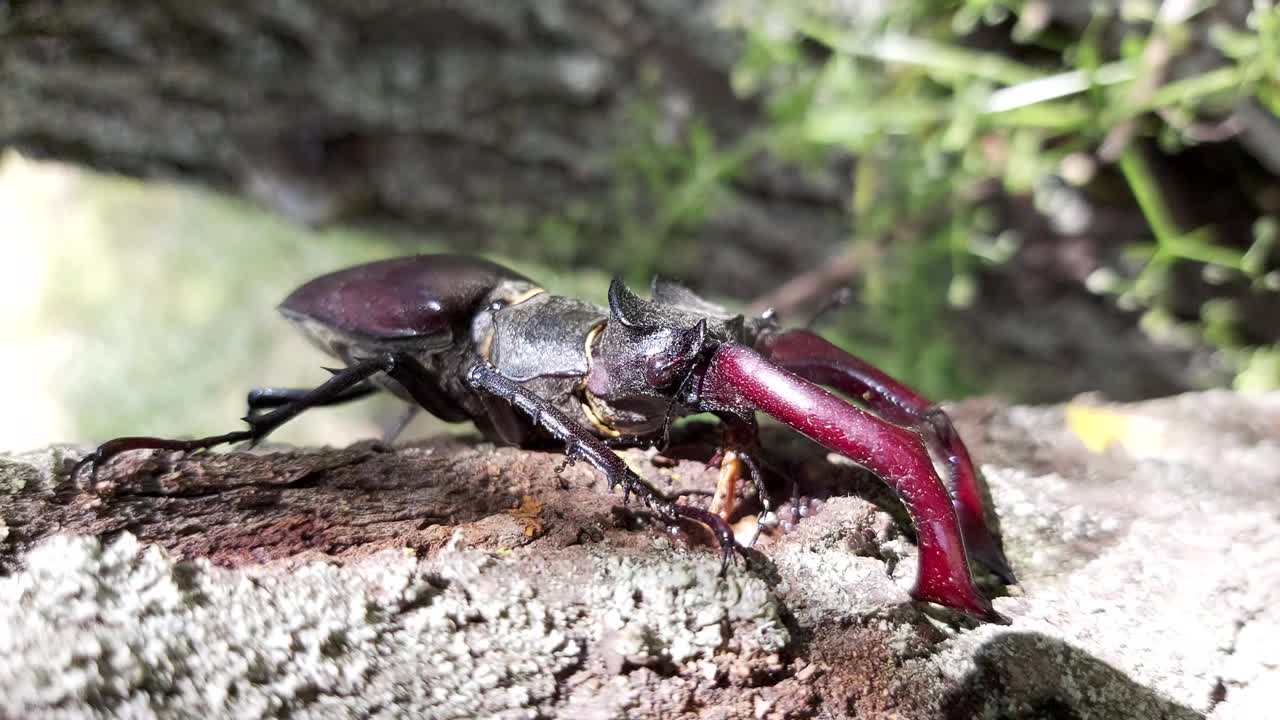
810 288
1155 60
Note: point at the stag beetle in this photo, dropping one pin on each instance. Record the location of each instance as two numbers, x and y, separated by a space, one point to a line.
467 339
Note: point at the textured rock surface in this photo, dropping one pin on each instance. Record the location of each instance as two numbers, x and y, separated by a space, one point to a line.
1147 538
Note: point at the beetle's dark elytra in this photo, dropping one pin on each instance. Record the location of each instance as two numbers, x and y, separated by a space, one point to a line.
400 298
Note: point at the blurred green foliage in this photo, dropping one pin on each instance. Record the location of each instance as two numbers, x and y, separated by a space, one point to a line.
930 116
166 325
160 300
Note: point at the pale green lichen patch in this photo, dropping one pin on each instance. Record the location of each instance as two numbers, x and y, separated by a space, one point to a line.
97 630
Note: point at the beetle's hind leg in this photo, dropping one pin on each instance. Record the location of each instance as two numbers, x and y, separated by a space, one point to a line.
346 384
262 399
580 444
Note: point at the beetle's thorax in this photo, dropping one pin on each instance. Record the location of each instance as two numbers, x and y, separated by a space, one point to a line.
540 337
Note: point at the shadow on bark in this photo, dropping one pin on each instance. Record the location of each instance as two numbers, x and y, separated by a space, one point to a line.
1029 675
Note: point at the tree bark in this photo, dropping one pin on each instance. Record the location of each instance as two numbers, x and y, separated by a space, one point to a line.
503 589
236 508
476 125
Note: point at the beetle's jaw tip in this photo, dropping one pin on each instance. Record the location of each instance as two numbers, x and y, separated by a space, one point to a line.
972 604
982 546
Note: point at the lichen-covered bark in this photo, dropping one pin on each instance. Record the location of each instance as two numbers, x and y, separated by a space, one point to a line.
450 579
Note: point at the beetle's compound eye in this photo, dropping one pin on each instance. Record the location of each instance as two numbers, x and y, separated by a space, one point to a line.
661 370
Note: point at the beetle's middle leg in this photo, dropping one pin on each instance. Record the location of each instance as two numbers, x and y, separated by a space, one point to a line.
268 398
260 399
581 444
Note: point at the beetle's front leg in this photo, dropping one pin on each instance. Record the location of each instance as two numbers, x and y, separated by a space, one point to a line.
581 444
739 380
813 358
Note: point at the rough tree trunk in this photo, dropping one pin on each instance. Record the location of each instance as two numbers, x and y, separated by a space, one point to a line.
470 124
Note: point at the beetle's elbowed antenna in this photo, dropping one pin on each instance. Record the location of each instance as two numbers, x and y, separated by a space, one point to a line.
664 441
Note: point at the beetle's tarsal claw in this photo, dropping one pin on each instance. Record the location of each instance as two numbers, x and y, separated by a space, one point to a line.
724 533
729 550
92 461
755 534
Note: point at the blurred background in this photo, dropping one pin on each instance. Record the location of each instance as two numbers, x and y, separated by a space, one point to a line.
1026 199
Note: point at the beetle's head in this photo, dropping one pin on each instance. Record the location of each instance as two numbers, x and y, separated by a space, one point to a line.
651 349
